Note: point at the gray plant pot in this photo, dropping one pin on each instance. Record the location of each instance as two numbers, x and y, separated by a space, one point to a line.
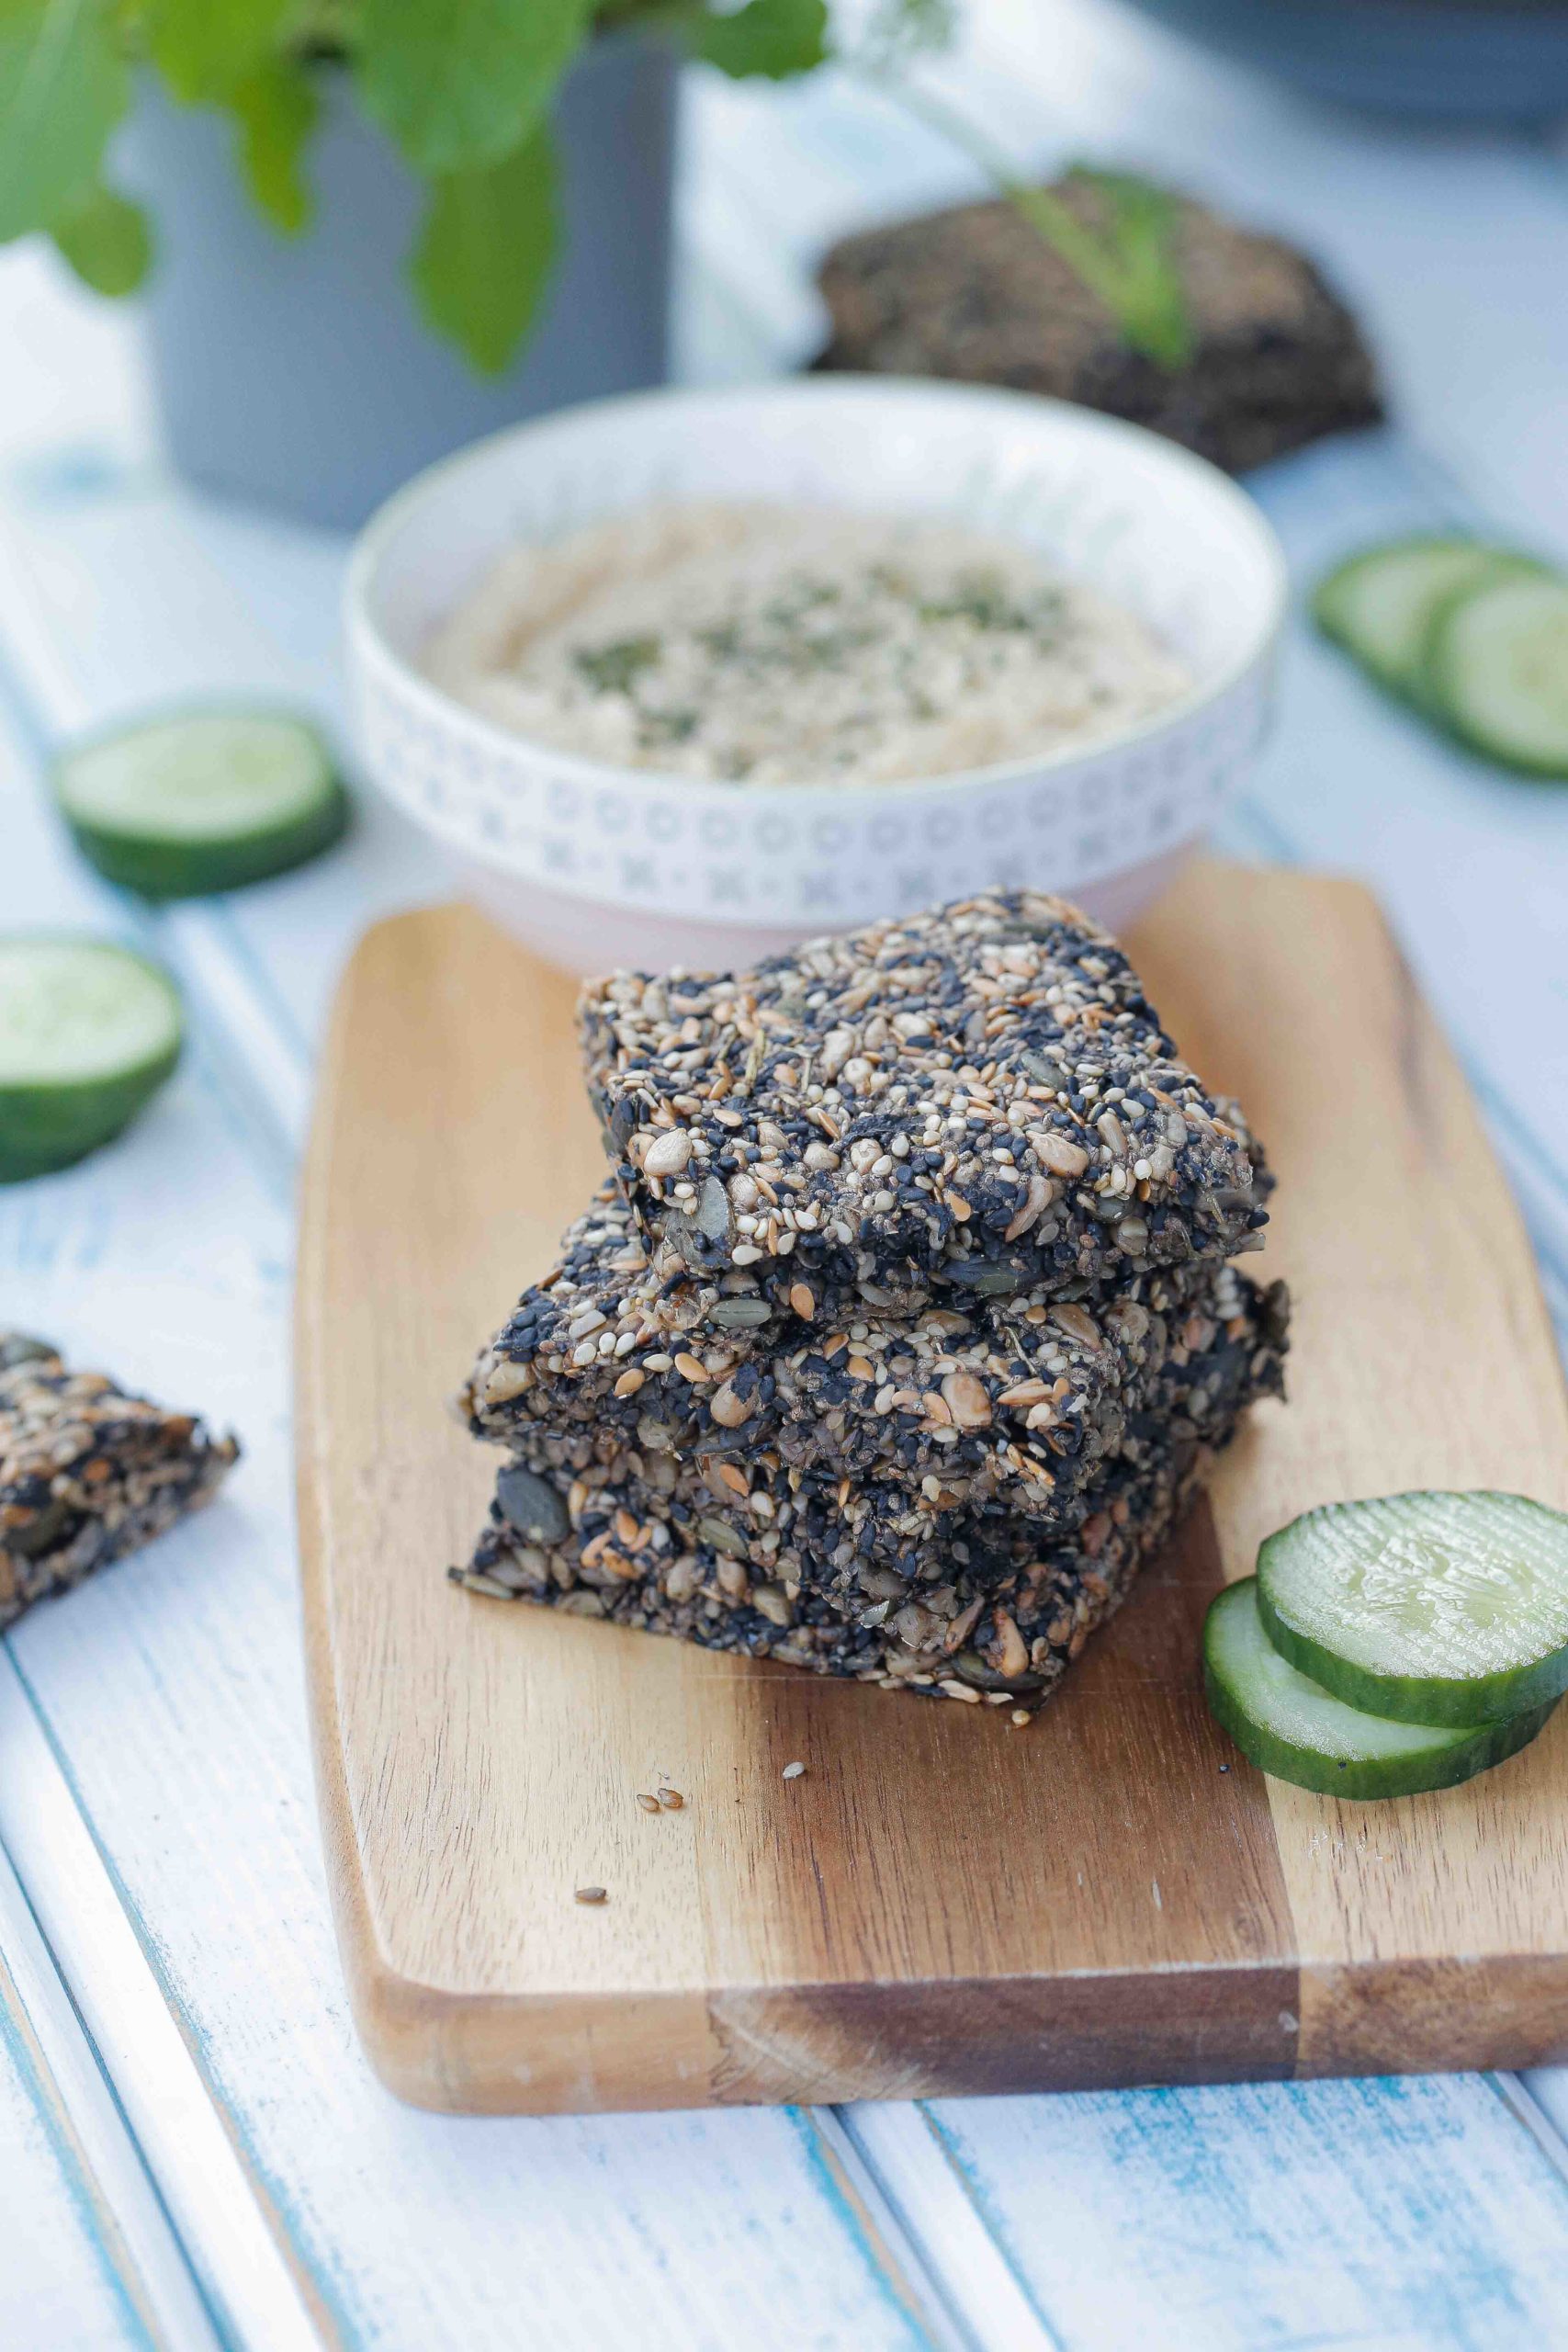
297 373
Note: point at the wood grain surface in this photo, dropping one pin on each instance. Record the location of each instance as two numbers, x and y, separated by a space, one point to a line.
938 1903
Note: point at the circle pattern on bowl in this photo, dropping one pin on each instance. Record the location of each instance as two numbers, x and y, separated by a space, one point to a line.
657 849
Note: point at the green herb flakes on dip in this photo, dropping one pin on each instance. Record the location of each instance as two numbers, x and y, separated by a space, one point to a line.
798 645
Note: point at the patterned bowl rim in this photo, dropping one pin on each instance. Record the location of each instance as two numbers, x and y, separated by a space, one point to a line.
373 653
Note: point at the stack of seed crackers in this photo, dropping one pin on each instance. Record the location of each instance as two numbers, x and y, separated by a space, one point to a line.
900 1335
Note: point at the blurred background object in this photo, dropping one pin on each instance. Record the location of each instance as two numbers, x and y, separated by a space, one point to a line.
1258 356
284 167
367 237
300 371
1470 59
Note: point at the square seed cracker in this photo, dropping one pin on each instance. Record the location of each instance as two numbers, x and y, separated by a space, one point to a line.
979 1094
1018 1396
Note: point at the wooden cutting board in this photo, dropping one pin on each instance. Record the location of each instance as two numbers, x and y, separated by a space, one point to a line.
939 1903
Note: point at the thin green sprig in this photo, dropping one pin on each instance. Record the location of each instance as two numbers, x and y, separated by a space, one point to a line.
1129 263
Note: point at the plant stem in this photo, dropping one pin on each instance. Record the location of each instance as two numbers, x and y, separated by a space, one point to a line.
1128 267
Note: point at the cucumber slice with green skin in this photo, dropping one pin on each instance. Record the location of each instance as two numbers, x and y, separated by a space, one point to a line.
88 1033
1289 1726
202 801
1425 1608
1380 606
1497 670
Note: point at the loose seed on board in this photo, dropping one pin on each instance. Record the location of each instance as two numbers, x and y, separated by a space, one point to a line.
792 1771
671 1800
588 1893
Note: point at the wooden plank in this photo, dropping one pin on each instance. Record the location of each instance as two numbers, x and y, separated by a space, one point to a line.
114 2207
849 1936
204 2187
1540 2100
1413 2216
132 601
962 2250
67 2275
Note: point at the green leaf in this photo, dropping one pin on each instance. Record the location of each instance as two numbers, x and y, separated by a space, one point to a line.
107 242
771 36
62 88
461 84
275 108
203 46
485 253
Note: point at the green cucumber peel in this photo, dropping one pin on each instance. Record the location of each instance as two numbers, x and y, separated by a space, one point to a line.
186 802
1427 1608
1494 669
1291 1727
89 1031
1380 606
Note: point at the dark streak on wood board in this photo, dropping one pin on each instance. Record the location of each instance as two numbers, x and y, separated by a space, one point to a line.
939 1903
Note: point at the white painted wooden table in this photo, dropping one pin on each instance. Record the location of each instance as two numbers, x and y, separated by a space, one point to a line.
192 2150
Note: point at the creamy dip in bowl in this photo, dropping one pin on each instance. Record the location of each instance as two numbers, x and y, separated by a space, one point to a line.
526 641
759 644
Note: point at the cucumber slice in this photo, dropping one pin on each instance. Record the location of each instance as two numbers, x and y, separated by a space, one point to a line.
88 1031
1379 604
203 800
1291 1727
1426 1608
1497 670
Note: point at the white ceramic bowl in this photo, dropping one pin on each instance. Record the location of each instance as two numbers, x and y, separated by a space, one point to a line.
596 866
